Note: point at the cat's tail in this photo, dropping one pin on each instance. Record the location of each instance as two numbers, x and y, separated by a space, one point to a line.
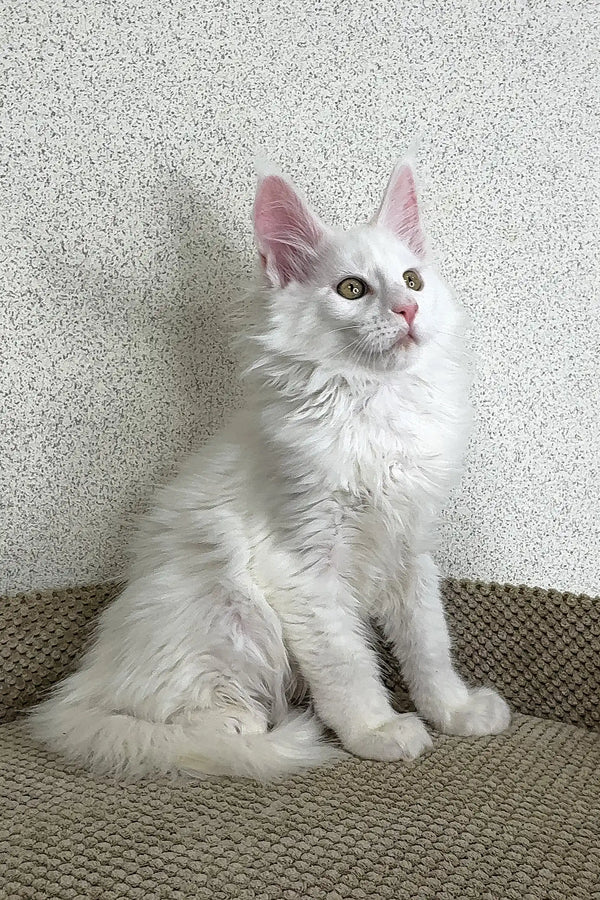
120 744
293 745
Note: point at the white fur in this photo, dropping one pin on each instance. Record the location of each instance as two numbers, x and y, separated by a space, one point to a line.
260 566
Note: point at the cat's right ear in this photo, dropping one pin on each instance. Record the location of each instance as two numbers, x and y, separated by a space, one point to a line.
287 233
399 210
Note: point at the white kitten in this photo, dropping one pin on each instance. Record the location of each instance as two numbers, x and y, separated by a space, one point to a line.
313 512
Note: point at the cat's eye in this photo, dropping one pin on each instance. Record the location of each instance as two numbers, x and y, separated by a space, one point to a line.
413 280
352 288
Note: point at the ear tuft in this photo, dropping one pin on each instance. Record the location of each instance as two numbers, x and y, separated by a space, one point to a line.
287 232
264 166
399 210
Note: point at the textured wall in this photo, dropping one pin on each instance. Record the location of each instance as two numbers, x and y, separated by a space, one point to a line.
130 130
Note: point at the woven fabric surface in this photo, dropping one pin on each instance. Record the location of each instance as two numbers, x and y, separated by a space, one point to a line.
515 816
540 648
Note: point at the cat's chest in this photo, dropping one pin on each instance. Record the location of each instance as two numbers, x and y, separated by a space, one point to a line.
393 478
392 448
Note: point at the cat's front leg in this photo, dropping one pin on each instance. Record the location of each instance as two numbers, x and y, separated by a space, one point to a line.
329 643
414 622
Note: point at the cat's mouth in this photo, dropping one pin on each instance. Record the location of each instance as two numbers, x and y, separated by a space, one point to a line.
405 341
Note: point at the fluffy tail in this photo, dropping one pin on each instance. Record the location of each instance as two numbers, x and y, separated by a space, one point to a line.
294 745
123 745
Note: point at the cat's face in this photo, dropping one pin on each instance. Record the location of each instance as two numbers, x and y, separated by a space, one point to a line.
360 299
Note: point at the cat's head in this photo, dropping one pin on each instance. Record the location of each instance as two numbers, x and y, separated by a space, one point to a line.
363 299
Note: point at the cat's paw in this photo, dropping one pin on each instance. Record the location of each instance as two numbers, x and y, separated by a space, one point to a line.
402 737
484 712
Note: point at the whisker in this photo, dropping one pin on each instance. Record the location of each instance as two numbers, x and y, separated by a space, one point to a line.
342 328
348 347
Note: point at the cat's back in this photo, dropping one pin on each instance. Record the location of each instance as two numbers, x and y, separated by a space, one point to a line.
201 500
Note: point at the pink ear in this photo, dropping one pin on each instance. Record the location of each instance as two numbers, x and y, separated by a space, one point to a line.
287 232
399 210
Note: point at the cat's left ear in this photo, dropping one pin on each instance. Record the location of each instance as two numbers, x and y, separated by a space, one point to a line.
399 210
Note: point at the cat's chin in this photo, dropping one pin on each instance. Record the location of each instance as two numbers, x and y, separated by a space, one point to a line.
405 343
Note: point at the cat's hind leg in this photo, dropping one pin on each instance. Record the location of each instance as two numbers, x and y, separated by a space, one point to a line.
183 680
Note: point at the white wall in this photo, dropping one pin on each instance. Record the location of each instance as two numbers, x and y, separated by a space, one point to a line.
130 130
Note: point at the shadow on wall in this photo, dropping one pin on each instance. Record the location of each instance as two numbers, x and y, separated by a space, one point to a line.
125 346
209 278
182 336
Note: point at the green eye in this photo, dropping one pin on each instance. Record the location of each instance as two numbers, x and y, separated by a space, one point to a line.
352 288
413 280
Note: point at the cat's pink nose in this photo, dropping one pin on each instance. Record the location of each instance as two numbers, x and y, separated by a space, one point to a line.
408 310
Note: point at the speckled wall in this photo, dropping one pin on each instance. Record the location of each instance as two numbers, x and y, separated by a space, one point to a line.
129 135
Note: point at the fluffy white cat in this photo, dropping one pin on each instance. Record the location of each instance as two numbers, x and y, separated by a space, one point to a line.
312 513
